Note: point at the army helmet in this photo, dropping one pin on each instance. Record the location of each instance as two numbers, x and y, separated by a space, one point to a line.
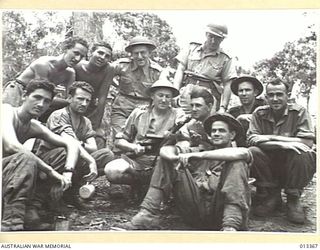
220 30
140 40
163 83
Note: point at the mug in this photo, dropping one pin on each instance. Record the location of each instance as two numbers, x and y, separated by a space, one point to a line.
86 191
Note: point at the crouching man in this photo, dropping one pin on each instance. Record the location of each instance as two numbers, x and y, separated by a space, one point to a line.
20 166
210 187
70 123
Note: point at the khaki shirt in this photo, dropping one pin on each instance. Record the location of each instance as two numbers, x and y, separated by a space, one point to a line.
295 122
216 65
134 80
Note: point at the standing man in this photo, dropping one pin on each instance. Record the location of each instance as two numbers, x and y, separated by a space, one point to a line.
56 69
70 123
247 88
210 187
208 66
282 136
99 74
20 166
138 73
144 128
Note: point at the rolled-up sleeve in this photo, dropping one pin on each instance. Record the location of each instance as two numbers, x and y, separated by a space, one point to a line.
59 122
254 130
228 70
304 126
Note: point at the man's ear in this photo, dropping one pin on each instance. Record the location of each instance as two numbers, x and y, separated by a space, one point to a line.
69 98
233 134
24 95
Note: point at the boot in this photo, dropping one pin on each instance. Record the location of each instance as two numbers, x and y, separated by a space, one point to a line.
295 211
143 220
232 218
271 203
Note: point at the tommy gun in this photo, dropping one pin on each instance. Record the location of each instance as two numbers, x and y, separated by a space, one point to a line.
153 142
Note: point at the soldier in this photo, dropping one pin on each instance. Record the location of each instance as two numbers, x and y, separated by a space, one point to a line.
144 128
208 66
138 73
247 88
70 123
281 136
99 74
57 69
210 187
20 166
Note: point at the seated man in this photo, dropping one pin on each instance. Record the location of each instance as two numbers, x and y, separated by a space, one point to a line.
99 74
144 128
56 69
20 166
210 187
69 122
247 88
282 136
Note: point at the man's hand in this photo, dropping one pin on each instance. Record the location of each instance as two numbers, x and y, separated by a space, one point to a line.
93 172
138 149
65 181
244 117
295 146
184 158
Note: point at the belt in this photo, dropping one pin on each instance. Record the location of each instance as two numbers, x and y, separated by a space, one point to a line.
136 97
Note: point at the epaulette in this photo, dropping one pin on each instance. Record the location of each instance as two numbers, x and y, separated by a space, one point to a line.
225 53
123 60
262 110
295 106
156 66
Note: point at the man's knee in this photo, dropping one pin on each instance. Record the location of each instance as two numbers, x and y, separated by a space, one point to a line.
117 170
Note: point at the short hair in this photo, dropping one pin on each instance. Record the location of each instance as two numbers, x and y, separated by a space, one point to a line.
199 91
72 41
40 83
101 44
82 85
277 81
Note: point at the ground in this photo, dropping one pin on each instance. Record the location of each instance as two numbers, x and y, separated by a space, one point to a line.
110 210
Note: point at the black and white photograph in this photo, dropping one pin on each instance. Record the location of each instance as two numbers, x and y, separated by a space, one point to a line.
159 120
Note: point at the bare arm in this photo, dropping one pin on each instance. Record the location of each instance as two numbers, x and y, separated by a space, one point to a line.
178 77
90 145
225 97
129 146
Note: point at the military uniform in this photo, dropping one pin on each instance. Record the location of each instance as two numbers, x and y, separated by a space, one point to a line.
282 168
133 84
216 65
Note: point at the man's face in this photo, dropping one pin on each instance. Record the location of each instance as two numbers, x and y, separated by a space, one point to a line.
101 56
277 97
37 102
213 42
161 98
221 136
247 93
74 55
199 109
140 55
80 101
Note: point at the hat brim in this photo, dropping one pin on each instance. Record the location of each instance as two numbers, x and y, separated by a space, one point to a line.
257 84
230 120
215 33
175 92
149 45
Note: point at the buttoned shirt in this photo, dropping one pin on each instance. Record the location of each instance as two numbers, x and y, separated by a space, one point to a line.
216 65
239 110
295 122
142 122
135 80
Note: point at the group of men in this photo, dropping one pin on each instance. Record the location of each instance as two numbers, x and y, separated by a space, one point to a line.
171 139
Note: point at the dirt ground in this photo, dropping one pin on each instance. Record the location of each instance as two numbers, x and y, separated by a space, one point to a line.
112 209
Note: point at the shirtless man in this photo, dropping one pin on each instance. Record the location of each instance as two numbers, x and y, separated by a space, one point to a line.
56 69
20 166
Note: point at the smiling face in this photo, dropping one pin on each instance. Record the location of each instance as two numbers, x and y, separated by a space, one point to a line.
37 102
277 97
101 56
221 135
247 93
199 109
161 98
74 55
140 55
80 101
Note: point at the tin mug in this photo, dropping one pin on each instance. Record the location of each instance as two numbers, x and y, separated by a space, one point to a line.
86 191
